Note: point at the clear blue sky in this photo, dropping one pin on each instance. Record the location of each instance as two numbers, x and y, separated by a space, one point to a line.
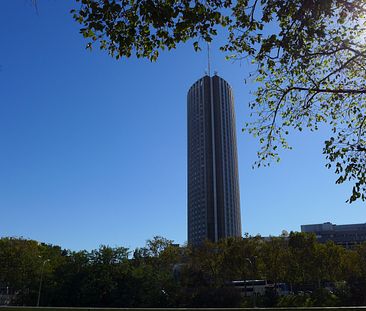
93 150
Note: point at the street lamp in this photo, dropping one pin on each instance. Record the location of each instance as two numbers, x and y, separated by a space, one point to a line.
248 260
252 262
40 282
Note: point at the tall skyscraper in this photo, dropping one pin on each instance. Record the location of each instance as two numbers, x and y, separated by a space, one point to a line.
213 183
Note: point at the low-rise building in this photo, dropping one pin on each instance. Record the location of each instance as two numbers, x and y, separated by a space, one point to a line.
346 235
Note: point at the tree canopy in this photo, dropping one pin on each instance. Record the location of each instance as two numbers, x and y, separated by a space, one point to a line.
310 57
183 276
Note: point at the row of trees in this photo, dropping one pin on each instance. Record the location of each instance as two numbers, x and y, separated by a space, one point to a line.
164 275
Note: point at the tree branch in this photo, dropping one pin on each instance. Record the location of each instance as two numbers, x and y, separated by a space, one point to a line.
334 91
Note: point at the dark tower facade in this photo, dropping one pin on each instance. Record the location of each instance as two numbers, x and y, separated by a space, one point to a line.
213 182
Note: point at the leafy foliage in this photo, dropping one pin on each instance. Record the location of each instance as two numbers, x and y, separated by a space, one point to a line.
310 57
311 72
111 277
146 27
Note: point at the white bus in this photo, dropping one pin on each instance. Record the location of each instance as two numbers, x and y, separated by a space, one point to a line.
249 288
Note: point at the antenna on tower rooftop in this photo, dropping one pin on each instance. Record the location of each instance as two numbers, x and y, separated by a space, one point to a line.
208 59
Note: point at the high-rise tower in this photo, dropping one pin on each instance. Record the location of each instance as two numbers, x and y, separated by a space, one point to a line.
213 183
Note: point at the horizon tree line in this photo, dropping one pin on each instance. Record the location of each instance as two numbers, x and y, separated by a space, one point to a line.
162 274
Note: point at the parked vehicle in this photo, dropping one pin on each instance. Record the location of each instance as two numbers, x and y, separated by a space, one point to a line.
249 288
